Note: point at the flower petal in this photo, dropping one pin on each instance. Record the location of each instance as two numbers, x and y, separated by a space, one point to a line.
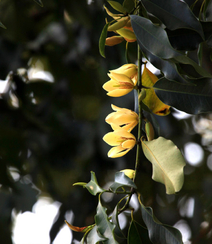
116 152
129 144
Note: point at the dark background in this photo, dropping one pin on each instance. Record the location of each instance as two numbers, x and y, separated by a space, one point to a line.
51 136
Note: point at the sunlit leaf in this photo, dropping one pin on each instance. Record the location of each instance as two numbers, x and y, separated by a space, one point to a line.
167 162
121 180
193 99
117 6
174 14
151 100
93 186
158 232
94 236
152 37
137 234
104 226
39 2
102 40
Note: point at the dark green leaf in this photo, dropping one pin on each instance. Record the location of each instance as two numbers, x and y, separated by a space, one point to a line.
184 39
39 2
153 38
137 234
129 5
167 67
93 186
193 99
102 40
104 226
158 232
94 237
174 14
121 180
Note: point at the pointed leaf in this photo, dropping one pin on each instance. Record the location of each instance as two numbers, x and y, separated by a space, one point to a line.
76 228
104 226
93 186
193 99
117 6
39 2
167 162
137 234
94 237
174 14
121 180
102 40
129 5
158 232
152 37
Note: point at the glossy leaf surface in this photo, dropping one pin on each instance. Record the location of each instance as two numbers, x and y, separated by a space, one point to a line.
121 180
192 99
94 237
153 38
174 14
93 186
158 232
104 226
167 162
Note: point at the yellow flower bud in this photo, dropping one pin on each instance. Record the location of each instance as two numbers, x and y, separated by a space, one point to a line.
120 23
119 85
123 141
122 118
127 34
129 173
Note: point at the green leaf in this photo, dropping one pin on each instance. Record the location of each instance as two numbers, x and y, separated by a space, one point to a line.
174 14
129 5
167 162
102 40
117 6
94 237
137 234
192 99
104 226
153 38
121 180
39 2
158 232
93 186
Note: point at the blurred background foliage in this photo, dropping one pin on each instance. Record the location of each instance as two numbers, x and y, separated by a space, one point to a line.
52 115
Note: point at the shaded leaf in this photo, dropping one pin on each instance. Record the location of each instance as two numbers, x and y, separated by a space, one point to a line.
2 26
39 2
93 186
121 180
115 220
167 162
137 234
192 99
184 39
174 14
129 5
102 40
158 232
94 237
104 226
152 37
117 6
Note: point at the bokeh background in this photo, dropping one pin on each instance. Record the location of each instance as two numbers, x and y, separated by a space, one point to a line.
52 111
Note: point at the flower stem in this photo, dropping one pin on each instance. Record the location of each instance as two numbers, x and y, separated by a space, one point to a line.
138 153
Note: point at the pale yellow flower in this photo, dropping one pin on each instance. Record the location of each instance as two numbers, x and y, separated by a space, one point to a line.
123 141
122 118
129 173
130 70
118 85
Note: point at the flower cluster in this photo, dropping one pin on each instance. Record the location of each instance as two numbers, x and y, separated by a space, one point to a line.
122 120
